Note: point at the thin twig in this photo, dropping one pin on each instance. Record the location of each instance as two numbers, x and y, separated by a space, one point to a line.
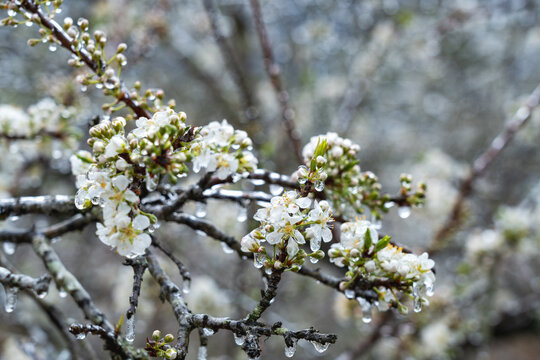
480 165
273 72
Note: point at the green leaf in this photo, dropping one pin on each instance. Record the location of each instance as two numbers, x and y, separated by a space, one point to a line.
368 241
382 243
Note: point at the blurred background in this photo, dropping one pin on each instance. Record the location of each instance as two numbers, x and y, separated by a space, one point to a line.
423 86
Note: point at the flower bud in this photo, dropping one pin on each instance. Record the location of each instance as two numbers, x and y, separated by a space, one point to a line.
171 353
168 338
121 48
156 335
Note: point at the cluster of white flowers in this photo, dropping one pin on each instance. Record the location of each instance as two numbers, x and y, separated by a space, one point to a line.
286 222
370 258
336 148
111 176
221 148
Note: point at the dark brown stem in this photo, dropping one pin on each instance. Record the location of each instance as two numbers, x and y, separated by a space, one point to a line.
274 73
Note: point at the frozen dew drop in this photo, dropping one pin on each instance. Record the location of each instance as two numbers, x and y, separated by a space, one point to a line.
58 11
366 309
202 354
313 259
417 304
258 260
290 350
276 189
319 185
42 294
239 339
52 47
226 248
11 299
208 331
302 180
152 183
241 215
130 329
95 200
62 293
99 86
268 271
257 182
404 212
29 23
200 210
84 88
320 347
389 204
349 294
9 248
186 285
429 288
81 336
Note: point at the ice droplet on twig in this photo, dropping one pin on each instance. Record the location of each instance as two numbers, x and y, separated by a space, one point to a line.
81 336
9 248
226 248
276 189
241 215
186 285
11 299
200 210
290 350
349 293
239 339
130 328
320 347
404 212
208 331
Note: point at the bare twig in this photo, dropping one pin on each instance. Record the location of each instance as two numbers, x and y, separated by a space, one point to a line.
55 204
518 120
231 61
273 72
66 42
39 285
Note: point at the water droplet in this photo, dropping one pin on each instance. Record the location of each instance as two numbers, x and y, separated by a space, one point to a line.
302 180
152 183
417 304
62 293
110 83
239 339
290 350
257 182
81 336
319 185
11 299
313 259
58 11
241 215
29 23
186 285
130 329
11 12
9 248
99 86
349 293
52 47
95 200
366 309
42 294
429 288
202 354
208 331
226 248
404 212
389 204
258 260
84 88
200 210
276 189
320 347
